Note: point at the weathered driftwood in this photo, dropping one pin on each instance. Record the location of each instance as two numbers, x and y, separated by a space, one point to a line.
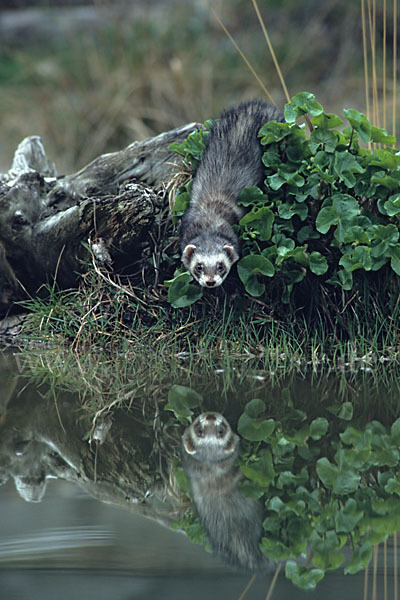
45 220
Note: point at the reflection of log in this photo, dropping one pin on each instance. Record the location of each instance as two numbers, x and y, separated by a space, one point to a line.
44 221
39 440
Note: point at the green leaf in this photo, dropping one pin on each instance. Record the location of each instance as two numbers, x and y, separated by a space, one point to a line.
359 123
327 472
355 233
343 208
393 486
307 233
182 201
348 517
261 471
382 178
249 425
318 263
288 209
341 481
358 258
380 136
386 159
249 267
251 195
302 104
259 220
318 428
345 165
395 431
181 292
394 254
385 237
360 559
346 411
274 132
182 480
249 489
304 578
255 408
323 138
327 121
328 560
392 205
181 400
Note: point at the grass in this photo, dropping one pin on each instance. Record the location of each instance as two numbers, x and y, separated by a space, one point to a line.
220 332
86 95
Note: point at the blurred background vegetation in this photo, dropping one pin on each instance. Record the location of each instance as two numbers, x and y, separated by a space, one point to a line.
91 77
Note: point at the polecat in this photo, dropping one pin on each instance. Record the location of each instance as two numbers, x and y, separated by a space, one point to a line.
231 161
232 522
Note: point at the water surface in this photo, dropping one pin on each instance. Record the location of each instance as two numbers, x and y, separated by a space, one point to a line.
86 506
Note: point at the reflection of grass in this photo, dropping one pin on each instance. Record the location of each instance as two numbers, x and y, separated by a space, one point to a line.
139 372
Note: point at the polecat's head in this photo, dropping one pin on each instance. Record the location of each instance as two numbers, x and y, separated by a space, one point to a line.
209 262
210 438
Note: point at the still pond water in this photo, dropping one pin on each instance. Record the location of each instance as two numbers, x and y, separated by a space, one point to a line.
86 511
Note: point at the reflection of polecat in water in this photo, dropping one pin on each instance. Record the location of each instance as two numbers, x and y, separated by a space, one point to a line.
231 162
233 523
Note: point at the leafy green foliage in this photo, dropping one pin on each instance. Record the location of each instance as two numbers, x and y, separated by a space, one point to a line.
329 207
181 400
181 291
330 488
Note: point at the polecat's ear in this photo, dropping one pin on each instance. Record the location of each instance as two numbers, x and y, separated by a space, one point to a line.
231 253
188 444
188 253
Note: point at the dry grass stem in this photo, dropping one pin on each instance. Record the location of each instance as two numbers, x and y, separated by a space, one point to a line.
266 92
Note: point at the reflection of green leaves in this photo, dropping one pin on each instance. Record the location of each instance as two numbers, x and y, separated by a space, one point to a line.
181 400
340 481
324 485
318 428
360 559
251 427
304 578
260 471
249 267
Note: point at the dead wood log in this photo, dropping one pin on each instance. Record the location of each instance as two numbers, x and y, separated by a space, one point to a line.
46 220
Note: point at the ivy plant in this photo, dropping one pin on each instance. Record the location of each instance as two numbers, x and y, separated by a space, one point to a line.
329 205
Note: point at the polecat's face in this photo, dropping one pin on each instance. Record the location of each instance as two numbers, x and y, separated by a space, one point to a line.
210 437
209 270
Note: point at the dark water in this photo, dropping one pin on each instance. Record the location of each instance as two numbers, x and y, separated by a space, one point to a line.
79 519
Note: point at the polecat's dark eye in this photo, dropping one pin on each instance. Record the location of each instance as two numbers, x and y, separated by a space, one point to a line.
199 432
220 432
198 268
220 268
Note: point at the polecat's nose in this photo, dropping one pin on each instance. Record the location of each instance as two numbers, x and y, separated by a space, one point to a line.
210 283
211 417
